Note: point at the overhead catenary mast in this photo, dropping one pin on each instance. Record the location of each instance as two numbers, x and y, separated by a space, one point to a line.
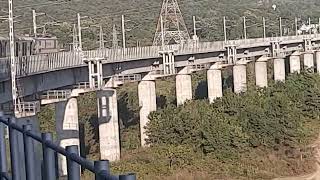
74 38
12 59
115 41
101 38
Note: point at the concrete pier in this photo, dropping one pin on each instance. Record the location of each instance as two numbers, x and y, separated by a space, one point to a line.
279 69
294 62
261 73
148 104
318 61
109 137
308 61
183 86
214 76
67 128
239 78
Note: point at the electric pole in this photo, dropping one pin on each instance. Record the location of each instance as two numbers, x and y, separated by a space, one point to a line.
162 33
244 28
101 38
296 25
264 27
310 29
79 31
74 38
319 26
123 32
195 36
34 23
280 26
115 41
12 58
34 20
225 28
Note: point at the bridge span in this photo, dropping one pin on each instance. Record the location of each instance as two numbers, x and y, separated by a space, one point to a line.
43 72
60 78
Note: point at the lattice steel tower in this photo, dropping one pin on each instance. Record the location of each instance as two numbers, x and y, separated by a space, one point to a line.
172 28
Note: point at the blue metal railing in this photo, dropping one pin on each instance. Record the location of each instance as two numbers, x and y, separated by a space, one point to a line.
74 161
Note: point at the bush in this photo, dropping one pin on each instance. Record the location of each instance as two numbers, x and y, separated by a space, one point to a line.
270 117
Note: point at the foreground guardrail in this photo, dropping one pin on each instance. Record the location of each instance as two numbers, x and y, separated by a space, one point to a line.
74 161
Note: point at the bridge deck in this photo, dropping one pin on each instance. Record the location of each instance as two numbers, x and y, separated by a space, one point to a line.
34 64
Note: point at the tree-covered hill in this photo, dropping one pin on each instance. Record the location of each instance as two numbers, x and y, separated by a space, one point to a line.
143 16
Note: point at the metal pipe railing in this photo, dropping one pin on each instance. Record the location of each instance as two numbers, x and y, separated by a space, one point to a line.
74 161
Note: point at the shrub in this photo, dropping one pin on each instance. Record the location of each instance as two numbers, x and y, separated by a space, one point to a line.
270 117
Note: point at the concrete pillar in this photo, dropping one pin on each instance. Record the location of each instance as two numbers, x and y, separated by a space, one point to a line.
318 61
67 127
239 78
308 61
279 69
261 74
109 137
148 104
294 62
183 86
214 77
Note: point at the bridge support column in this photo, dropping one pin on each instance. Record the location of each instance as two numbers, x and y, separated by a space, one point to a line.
318 61
214 77
261 73
183 86
148 104
108 125
239 78
279 69
308 61
168 62
67 127
295 66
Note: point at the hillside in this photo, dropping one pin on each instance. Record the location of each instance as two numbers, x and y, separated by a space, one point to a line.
143 16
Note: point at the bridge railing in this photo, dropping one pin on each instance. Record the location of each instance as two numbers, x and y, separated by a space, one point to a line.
56 94
74 161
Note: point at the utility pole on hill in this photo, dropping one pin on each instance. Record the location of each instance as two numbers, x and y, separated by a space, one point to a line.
280 26
123 32
79 32
310 29
296 25
34 20
74 38
225 29
264 27
318 25
195 36
115 41
162 32
244 28
101 38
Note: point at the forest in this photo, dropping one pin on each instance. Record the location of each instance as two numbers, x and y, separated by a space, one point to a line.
141 17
